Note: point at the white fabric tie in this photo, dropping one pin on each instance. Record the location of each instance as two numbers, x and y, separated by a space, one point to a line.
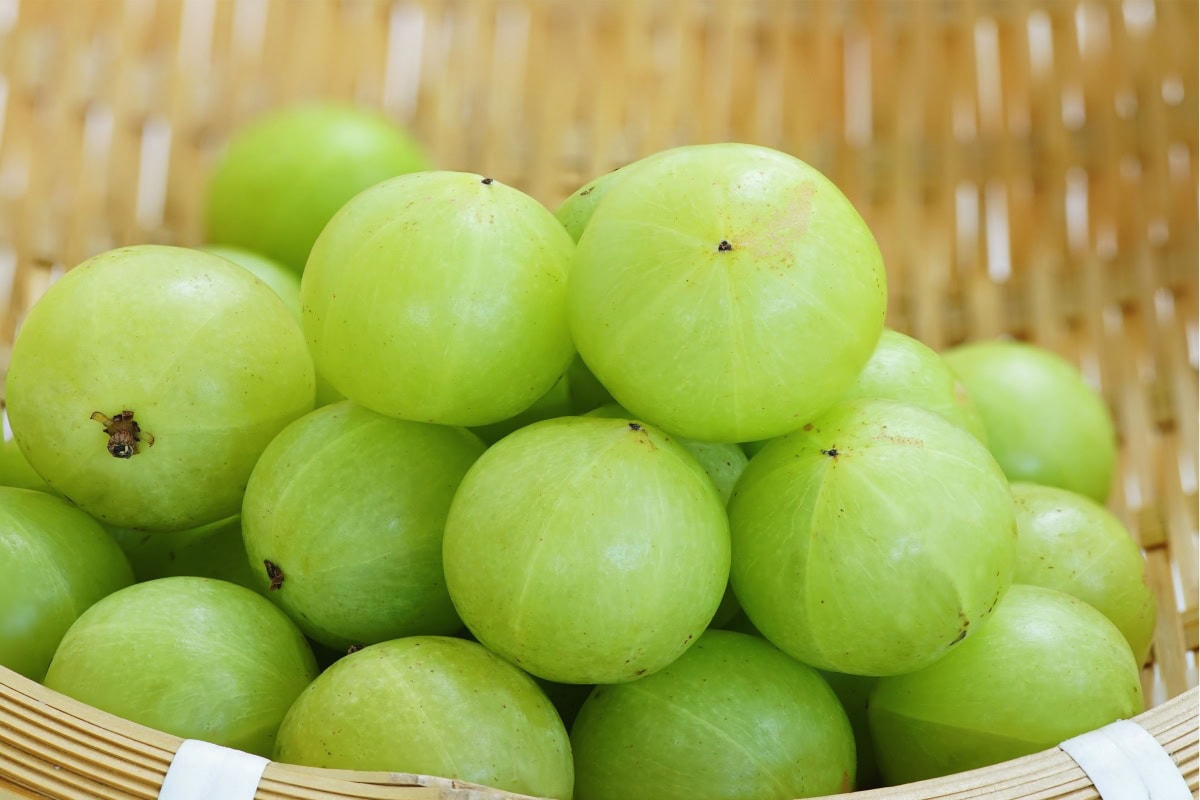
204 771
1124 762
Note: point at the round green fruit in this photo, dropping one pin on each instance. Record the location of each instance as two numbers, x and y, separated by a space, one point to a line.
575 212
587 550
722 462
903 369
210 551
554 403
1044 424
146 382
968 412
586 393
349 506
431 706
285 175
440 297
1045 667
1073 544
567 698
872 541
55 561
15 470
853 691
731 719
285 282
195 657
726 292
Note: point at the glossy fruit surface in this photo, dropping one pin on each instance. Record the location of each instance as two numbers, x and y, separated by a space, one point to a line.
349 506
587 550
903 369
440 297
207 361
195 657
285 175
55 561
1068 542
731 718
431 706
1044 424
726 292
874 541
1046 667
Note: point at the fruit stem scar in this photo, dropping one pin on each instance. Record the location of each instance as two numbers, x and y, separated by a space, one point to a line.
724 246
486 181
831 452
274 573
633 426
123 433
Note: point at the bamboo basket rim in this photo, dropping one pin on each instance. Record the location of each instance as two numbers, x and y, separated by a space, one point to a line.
70 737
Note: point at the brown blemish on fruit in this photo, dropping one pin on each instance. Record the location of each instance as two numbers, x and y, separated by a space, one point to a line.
961 635
486 181
123 433
275 574
807 427
643 435
587 191
905 440
847 784
640 672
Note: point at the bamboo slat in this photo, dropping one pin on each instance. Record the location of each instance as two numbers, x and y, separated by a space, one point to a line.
1029 168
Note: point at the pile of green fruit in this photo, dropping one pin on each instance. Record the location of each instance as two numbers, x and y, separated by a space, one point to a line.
525 503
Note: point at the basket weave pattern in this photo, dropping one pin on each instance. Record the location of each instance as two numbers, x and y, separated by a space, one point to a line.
1029 168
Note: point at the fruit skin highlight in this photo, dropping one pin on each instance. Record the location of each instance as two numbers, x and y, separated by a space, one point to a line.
55 562
431 705
872 541
1044 668
440 297
587 550
731 719
726 292
285 175
207 358
1044 424
195 657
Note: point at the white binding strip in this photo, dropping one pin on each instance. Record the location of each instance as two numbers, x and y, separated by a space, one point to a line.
204 771
1124 762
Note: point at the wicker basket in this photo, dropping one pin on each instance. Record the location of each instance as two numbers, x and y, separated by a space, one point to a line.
1028 168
